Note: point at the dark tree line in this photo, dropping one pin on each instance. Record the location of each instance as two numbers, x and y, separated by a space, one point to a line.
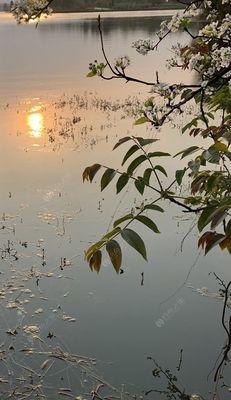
78 5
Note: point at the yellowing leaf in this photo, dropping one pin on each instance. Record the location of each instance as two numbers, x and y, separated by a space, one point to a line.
115 254
95 261
219 146
141 120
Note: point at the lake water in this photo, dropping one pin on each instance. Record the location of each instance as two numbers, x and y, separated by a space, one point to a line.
47 214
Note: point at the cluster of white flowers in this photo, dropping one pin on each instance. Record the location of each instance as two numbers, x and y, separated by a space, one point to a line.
144 46
221 58
155 108
122 62
208 3
197 62
210 64
24 10
209 30
177 22
215 30
161 88
153 111
209 53
164 90
195 397
175 60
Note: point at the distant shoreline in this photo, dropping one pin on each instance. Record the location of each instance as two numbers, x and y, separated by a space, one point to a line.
168 6
163 7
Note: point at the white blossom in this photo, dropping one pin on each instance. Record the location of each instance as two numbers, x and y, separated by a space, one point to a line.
24 10
144 46
122 62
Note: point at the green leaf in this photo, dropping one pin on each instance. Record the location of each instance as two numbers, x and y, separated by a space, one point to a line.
140 185
122 219
153 207
141 120
129 153
122 182
184 129
205 217
111 234
107 178
161 169
95 261
213 180
147 175
212 156
158 154
228 228
179 175
135 163
187 151
148 222
194 165
186 94
135 241
122 141
210 115
217 217
114 251
91 74
94 247
144 142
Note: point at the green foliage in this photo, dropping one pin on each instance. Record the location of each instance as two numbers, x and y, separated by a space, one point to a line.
141 120
186 152
140 184
153 207
135 241
212 187
122 182
96 69
148 222
107 178
179 175
206 162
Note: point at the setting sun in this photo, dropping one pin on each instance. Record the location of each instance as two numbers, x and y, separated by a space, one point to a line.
35 122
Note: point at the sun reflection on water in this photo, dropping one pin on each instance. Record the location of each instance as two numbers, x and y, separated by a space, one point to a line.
35 122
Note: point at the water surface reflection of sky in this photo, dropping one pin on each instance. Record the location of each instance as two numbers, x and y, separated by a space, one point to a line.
42 155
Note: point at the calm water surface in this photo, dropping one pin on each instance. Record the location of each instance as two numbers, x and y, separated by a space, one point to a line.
44 205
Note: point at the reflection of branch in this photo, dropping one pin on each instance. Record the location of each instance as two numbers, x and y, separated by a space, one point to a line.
173 388
180 360
227 329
